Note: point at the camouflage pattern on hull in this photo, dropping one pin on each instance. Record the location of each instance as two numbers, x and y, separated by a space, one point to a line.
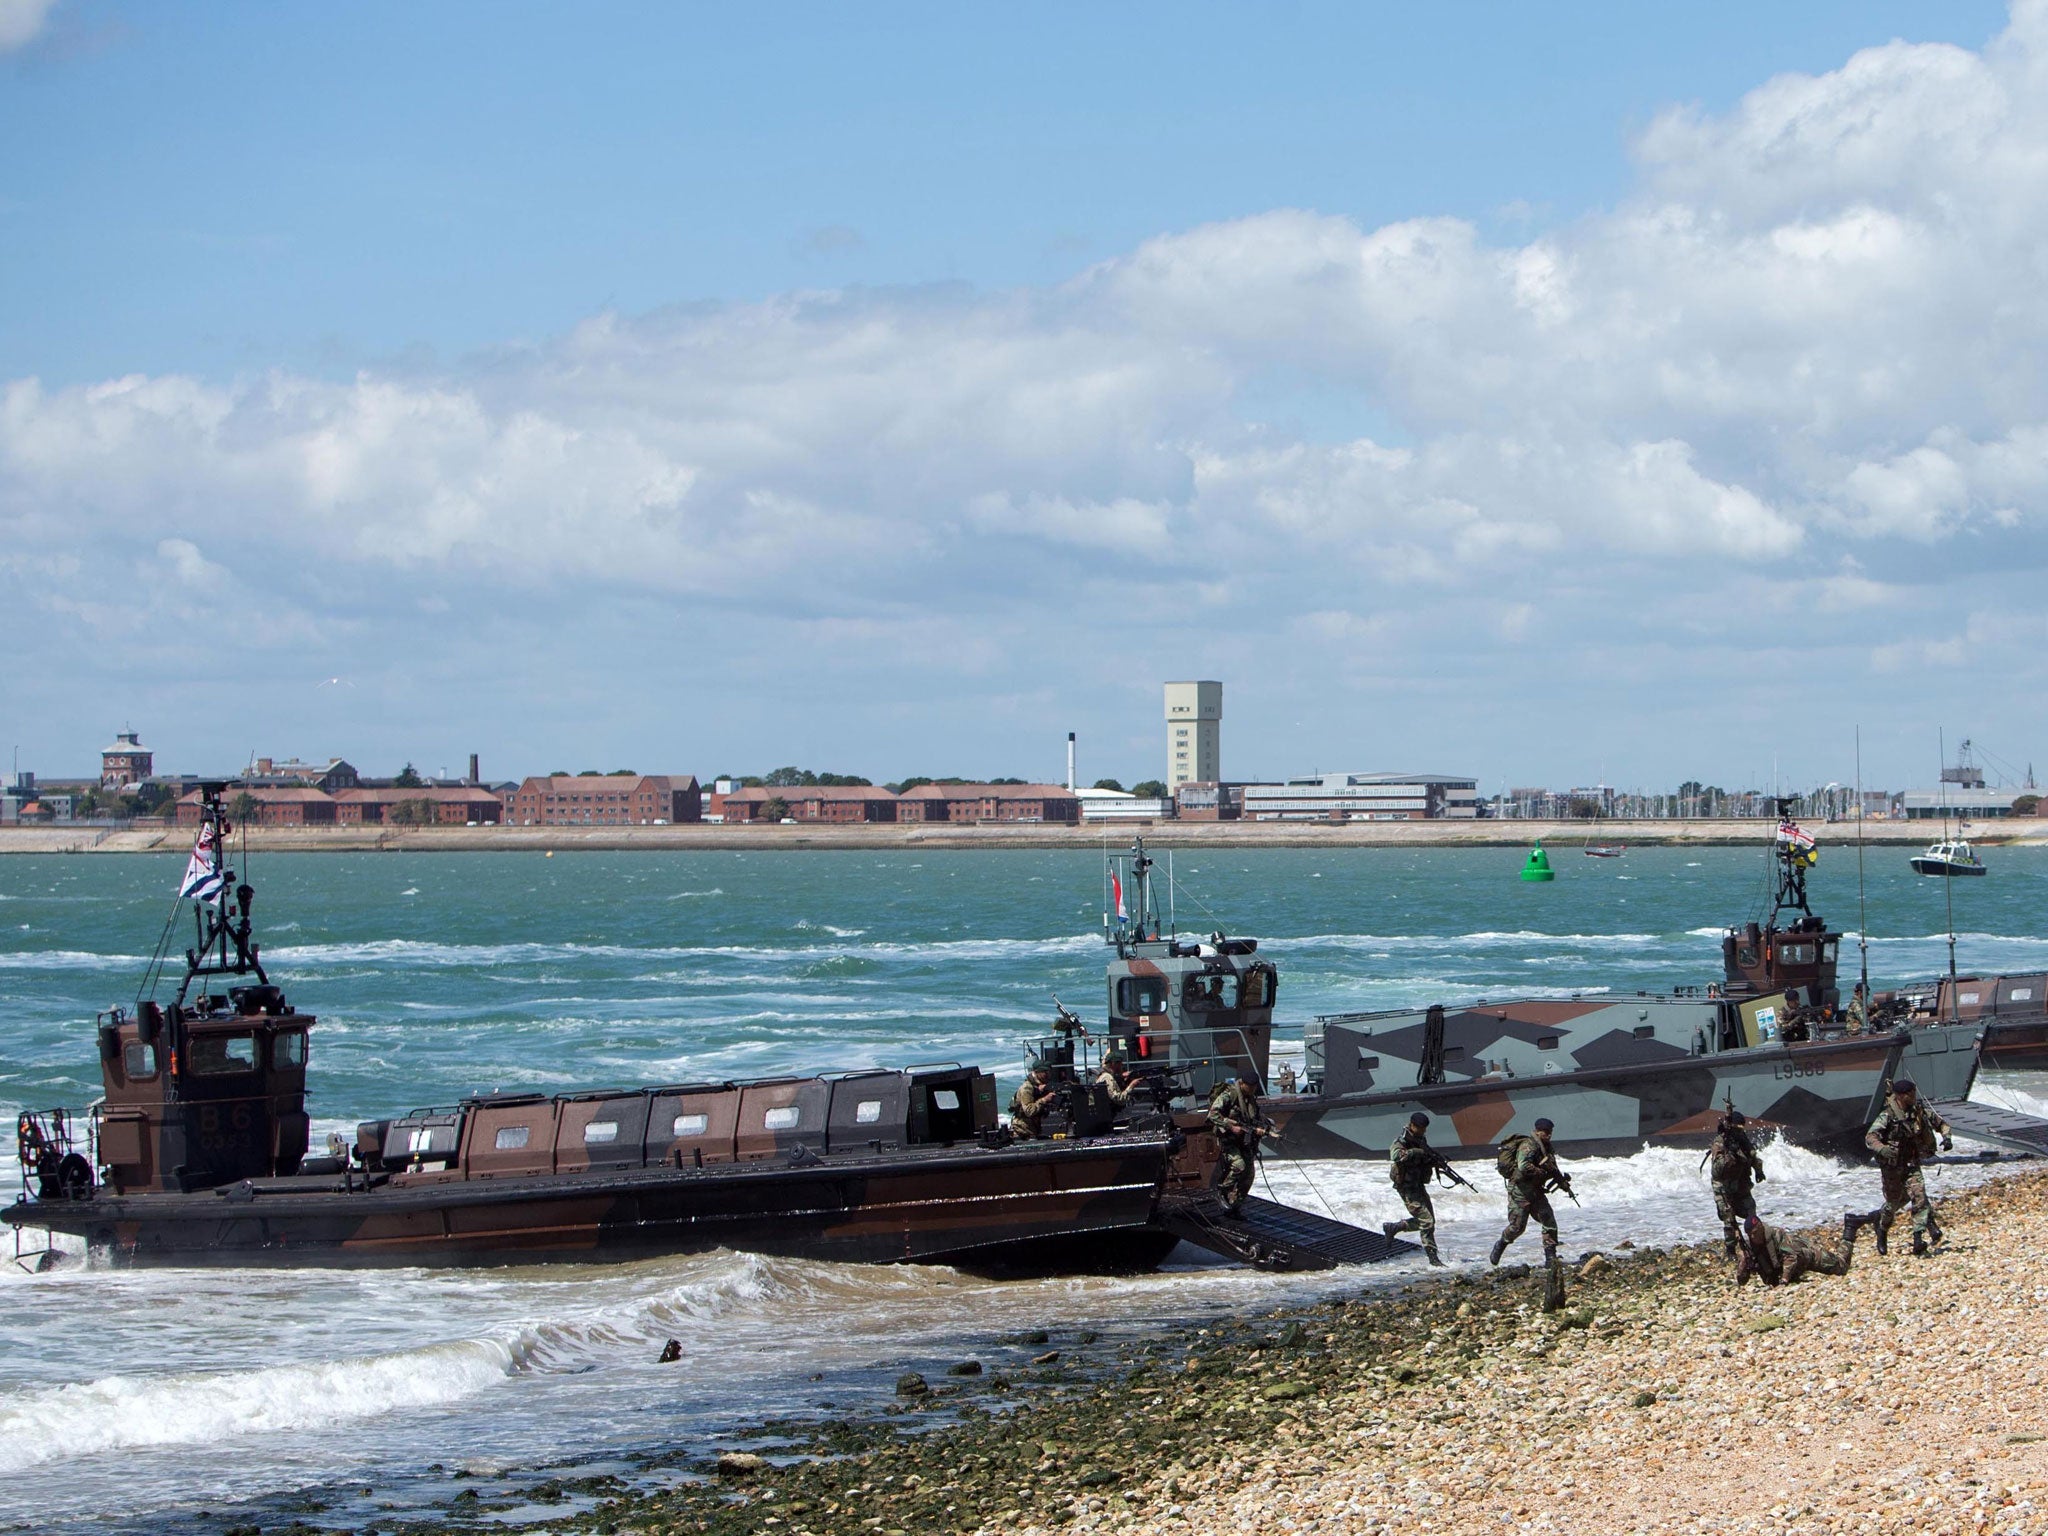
1614 1074
1817 1096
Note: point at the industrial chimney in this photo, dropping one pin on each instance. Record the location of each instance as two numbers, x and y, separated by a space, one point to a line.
473 778
1070 762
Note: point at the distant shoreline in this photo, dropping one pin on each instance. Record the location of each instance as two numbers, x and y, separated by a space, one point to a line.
1564 839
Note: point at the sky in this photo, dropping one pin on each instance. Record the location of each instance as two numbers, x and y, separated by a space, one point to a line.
1543 394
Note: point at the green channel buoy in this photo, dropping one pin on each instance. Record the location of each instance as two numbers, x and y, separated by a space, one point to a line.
1538 867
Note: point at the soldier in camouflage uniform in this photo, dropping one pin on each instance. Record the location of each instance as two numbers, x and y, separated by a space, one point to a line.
1115 1081
1412 1161
1234 1116
1778 1257
1531 1176
1033 1098
1735 1169
1903 1135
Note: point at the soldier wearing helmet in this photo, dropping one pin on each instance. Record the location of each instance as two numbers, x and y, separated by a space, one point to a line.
1735 1169
1412 1161
1903 1136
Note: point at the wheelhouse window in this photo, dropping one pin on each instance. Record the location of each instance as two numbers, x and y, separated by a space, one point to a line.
1795 954
1258 986
138 1061
289 1049
945 1098
220 1055
1140 994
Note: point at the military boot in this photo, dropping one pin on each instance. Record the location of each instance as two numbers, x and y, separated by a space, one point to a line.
1393 1228
1435 1258
1881 1224
1728 1249
1500 1246
1851 1225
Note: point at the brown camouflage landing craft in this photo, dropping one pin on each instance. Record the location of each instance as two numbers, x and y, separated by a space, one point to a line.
199 1156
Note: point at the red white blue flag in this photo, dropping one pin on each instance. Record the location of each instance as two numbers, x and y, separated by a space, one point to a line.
1790 831
204 879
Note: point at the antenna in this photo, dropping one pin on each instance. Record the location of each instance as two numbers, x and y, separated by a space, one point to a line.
1862 909
1948 882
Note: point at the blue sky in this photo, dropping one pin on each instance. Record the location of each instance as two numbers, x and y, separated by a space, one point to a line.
895 390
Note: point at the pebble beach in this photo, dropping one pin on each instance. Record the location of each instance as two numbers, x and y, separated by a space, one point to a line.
1906 1397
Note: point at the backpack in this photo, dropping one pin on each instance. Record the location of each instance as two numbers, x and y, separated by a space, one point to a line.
1504 1160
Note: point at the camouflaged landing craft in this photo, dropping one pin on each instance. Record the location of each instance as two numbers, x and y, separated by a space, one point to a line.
1613 1073
198 1155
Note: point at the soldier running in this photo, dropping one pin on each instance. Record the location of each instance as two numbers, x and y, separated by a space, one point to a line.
1413 1160
1903 1136
1777 1257
1033 1098
1234 1116
1735 1168
1531 1171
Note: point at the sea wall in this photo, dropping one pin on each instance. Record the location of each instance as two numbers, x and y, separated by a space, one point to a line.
1564 838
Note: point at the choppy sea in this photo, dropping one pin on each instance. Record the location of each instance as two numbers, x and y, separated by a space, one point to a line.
131 1401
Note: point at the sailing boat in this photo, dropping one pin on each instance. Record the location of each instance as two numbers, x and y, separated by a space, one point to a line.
1593 850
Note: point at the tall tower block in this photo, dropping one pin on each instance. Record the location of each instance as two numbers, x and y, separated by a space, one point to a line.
1194 729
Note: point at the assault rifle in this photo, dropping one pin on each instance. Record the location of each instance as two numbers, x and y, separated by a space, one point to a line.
1441 1167
1562 1181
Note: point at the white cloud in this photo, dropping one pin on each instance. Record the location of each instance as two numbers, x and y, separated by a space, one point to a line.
1814 330
21 20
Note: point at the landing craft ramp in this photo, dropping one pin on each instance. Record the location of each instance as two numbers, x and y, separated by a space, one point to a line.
2006 1128
1271 1236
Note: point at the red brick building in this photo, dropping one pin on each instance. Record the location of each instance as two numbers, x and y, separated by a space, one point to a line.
988 802
274 807
126 763
453 807
605 800
837 803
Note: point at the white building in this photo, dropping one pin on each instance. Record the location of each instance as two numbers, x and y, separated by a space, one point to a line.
1194 729
1364 797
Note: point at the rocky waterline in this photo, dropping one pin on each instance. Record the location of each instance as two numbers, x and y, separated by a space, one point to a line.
1907 1396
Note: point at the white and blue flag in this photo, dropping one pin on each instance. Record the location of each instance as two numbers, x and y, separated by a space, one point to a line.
204 878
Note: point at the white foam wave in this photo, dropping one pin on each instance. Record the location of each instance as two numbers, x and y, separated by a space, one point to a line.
418 952
123 1412
39 1424
66 960
1449 940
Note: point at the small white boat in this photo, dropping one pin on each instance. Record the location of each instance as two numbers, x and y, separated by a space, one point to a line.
1605 850
1954 857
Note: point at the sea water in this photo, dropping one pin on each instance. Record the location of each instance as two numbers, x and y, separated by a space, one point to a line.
133 1399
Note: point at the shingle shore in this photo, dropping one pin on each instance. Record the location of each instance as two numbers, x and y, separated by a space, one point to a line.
1906 1397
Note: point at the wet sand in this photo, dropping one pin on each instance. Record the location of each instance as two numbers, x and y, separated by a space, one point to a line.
1905 1397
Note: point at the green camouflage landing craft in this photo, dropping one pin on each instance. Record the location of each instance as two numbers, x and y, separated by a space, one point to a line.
1613 1073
